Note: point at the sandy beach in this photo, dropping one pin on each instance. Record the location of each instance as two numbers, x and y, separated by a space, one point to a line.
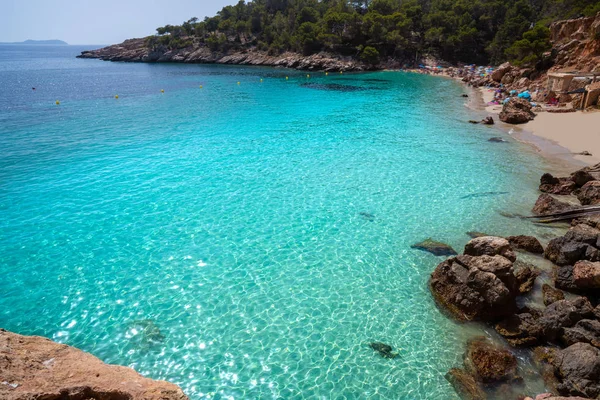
559 136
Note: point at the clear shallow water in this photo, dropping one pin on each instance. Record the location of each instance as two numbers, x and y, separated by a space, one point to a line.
214 238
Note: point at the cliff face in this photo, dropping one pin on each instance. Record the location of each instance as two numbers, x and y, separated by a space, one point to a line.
33 367
577 44
135 50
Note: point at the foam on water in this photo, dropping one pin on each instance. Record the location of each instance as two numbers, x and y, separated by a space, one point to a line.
243 241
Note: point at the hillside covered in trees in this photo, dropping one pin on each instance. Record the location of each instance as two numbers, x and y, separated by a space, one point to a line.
471 31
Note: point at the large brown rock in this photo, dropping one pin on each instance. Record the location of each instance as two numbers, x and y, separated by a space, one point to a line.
586 275
521 330
465 385
33 367
589 194
516 111
491 246
579 243
578 369
581 177
489 363
564 314
547 204
584 331
502 70
526 243
526 275
475 288
552 185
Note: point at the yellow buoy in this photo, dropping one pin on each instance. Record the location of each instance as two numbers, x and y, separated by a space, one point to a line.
286 78
162 90
57 103
116 96
341 72
261 80
326 73
238 83
200 86
308 76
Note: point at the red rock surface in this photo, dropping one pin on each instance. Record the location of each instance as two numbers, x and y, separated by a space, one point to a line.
33 367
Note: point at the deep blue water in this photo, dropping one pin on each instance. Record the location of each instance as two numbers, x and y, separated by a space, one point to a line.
243 241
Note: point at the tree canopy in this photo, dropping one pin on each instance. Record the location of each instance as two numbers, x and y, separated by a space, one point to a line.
471 31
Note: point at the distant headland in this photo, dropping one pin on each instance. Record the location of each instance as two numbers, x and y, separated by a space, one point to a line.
37 42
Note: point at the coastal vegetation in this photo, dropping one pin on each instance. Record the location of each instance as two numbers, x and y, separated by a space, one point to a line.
476 31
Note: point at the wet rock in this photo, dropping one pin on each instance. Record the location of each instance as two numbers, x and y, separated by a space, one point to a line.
491 246
497 140
520 330
581 177
489 363
434 247
527 243
465 385
586 275
472 121
465 95
543 358
552 185
383 349
551 295
43 369
585 331
579 243
547 204
474 288
589 194
563 314
563 278
516 111
526 275
488 120
578 369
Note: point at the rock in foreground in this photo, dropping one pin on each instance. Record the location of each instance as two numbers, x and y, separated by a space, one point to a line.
33 367
516 111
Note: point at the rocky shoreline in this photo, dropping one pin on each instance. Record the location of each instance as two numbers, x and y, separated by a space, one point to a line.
135 50
490 283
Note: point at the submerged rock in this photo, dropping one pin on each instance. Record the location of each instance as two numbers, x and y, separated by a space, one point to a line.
497 140
39 368
489 363
527 243
491 246
434 247
465 385
368 216
521 330
383 349
475 234
578 370
516 111
551 294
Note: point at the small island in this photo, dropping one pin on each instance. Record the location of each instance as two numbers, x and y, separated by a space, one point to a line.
53 42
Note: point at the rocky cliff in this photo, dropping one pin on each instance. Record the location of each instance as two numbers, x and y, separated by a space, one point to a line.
33 367
576 44
135 50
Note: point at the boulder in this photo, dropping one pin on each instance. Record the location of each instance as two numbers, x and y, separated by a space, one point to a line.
547 204
502 70
37 368
551 294
516 111
488 120
579 243
563 278
521 330
465 385
526 275
578 370
491 246
586 275
434 247
560 186
564 314
475 288
581 177
527 243
589 194
489 363
584 331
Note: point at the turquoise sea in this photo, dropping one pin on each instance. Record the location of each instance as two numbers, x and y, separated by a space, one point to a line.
245 241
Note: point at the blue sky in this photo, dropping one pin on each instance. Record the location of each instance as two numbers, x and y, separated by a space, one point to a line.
96 21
